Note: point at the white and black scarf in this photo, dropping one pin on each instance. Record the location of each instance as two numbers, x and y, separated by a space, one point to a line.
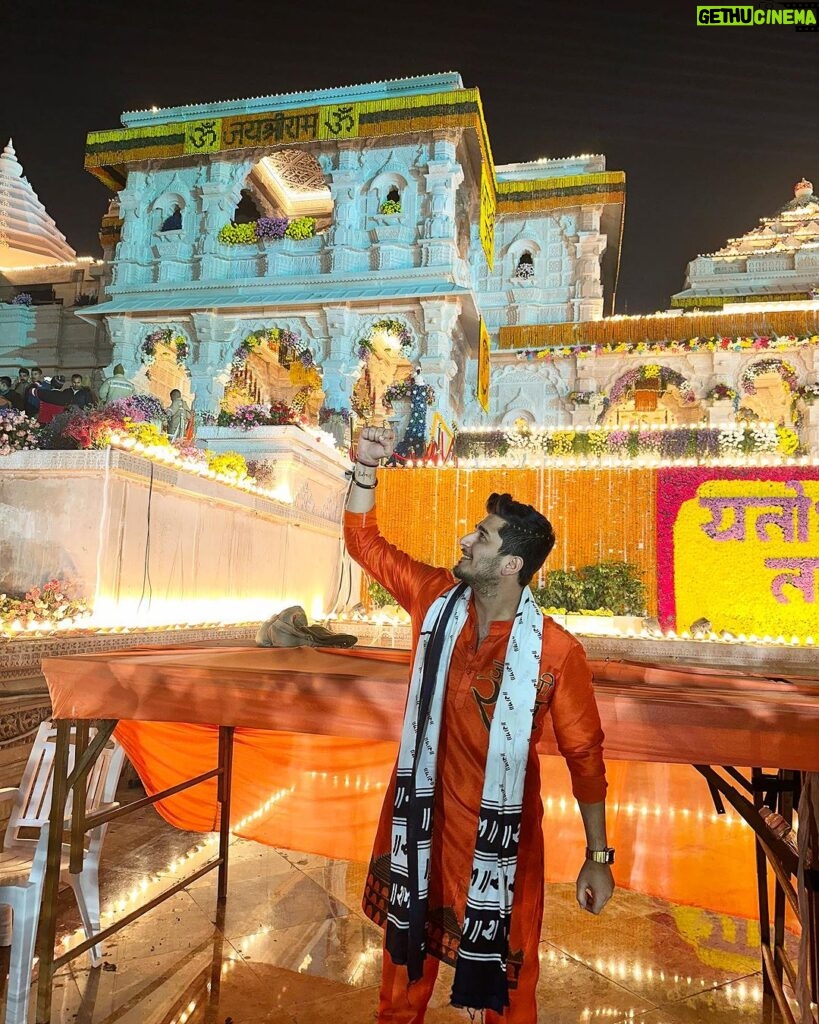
480 972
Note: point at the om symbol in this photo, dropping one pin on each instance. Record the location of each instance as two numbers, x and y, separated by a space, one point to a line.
203 135
340 121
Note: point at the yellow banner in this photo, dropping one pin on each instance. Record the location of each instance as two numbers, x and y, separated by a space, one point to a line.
339 121
483 367
487 222
745 557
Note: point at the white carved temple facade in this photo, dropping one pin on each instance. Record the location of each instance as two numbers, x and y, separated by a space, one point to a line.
410 225
37 263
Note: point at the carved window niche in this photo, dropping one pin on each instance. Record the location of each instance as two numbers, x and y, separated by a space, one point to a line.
168 217
387 206
525 267
520 262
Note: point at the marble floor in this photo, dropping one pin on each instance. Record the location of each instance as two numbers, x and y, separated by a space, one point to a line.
292 946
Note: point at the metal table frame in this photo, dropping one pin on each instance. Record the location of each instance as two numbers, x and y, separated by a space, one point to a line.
776 856
777 859
80 823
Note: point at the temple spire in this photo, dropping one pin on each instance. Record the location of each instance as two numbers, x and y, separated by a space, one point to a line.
28 236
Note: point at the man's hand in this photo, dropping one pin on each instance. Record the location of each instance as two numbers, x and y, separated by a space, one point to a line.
595 885
375 443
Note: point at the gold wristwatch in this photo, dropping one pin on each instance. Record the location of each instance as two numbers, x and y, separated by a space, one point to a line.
604 856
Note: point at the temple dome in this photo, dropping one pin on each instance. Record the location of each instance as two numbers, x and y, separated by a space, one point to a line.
28 236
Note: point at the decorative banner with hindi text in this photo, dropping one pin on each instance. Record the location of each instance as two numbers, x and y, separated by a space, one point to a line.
483 367
486 226
739 547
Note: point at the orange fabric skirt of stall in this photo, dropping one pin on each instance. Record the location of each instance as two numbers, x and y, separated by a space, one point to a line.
323 795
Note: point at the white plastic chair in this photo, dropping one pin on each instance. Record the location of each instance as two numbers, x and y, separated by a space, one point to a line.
23 858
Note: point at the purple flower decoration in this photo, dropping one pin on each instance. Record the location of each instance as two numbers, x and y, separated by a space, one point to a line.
271 227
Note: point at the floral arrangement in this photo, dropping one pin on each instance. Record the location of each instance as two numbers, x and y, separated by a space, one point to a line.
245 417
407 389
664 375
326 414
22 299
271 228
148 434
622 445
165 336
139 408
17 432
584 350
267 229
228 464
726 578
808 393
88 428
190 453
581 397
786 370
55 601
390 206
387 326
722 393
300 228
286 344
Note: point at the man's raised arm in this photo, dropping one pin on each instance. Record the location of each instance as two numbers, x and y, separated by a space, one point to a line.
374 444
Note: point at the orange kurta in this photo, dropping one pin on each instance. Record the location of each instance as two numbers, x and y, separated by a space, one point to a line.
473 685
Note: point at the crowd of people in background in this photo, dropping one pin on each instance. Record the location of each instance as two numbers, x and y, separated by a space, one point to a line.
42 398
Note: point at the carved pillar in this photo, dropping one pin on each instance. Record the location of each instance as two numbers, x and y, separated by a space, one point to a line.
437 364
589 287
347 239
210 360
341 365
443 176
126 337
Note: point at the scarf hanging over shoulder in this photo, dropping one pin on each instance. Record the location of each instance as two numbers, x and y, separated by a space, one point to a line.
480 973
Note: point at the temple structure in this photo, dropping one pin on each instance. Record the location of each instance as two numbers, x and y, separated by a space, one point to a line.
779 260
42 281
739 351
314 248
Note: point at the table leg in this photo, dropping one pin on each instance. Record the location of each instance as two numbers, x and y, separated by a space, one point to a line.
223 795
47 934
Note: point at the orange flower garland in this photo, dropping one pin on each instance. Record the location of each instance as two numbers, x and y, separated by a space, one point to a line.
599 514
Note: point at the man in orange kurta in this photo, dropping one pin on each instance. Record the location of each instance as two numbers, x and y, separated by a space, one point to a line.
473 684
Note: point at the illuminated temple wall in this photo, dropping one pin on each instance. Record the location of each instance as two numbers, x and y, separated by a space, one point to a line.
149 544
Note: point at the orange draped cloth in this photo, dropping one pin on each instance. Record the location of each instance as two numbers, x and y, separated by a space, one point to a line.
315 746
564 691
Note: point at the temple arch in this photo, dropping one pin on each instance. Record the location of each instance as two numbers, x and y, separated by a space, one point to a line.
275 365
387 193
165 353
651 394
169 207
521 259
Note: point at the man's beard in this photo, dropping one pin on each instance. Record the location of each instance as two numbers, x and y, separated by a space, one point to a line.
483 578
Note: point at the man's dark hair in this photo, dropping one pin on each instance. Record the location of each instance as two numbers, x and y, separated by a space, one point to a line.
23 370
36 369
5 382
525 533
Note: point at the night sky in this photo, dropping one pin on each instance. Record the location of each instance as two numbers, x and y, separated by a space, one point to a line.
711 125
